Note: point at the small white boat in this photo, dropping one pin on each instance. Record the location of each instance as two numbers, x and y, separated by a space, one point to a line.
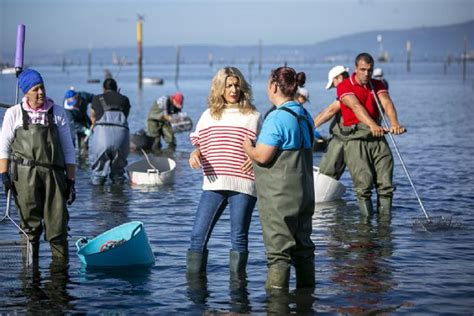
326 189
152 80
8 71
152 171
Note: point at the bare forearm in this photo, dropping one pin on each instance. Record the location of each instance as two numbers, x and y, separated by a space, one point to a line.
363 115
327 114
3 165
261 154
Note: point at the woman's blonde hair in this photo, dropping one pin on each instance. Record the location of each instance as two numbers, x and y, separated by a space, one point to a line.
216 101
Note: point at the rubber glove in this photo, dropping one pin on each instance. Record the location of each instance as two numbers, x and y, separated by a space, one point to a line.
7 183
87 132
70 191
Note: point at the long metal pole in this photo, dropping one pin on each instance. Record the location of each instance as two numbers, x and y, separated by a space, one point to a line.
377 101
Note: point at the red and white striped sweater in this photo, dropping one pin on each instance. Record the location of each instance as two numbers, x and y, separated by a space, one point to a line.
220 144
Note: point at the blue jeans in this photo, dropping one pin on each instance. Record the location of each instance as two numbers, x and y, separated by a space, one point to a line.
211 206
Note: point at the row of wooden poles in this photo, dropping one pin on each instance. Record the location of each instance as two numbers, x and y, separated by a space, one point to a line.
178 51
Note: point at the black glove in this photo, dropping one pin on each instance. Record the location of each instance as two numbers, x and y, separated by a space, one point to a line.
7 183
70 191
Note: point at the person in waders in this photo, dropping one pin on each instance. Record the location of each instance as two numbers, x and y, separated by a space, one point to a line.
37 164
110 144
332 163
228 175
75 104
283 164
159 120
366 152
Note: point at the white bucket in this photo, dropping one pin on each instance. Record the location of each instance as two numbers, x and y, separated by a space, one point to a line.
326 189
154 171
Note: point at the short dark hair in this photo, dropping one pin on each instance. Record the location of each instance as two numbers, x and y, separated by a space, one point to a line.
365 57
110 84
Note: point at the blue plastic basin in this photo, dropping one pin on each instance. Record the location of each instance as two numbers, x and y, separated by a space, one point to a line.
124 245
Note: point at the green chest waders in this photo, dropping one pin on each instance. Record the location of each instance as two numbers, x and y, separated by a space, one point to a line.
370 163
285 192
40 180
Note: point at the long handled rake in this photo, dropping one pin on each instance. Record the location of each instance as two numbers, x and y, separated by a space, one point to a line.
427 223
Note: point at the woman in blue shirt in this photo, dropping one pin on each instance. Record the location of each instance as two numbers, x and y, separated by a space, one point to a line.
283 161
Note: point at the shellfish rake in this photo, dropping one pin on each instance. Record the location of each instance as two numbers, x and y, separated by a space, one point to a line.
14 244
426 223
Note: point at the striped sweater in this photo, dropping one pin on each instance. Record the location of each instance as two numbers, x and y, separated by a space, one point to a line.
220 144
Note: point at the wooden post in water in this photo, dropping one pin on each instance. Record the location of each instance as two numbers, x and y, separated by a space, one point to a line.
259 57
210 59
464 60
408 47
176 75
140 51
89 62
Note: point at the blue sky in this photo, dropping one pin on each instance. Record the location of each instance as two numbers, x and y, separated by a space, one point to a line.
60 25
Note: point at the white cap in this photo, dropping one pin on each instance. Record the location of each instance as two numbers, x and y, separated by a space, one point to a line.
333 73
304 92
377 73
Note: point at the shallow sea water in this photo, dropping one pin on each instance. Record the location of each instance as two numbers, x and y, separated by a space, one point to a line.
361 267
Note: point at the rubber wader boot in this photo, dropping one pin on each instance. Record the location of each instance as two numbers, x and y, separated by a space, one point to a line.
305 274
196 261
365 207
238 262
384 205
59 249
278 277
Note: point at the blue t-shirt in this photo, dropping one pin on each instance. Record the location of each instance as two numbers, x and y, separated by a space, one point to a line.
281 129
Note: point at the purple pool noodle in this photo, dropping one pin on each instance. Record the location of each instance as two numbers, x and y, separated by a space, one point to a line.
20 44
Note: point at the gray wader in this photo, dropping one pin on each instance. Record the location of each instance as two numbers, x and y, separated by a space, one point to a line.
285 195
370 163
110 146
332 163
40 181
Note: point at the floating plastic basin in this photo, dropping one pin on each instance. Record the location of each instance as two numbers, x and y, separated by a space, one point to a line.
121 246
326 189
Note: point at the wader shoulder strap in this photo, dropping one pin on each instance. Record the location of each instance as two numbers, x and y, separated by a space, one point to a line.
24 116
51 116
301 118
106 106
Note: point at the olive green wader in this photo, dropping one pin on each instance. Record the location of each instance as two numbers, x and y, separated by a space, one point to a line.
40 182
332 163
370 163
285 195
159 127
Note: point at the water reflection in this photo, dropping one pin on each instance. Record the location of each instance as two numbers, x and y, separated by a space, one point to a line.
283 302
111 202
239 294
197 290
360 248
135 276
49 294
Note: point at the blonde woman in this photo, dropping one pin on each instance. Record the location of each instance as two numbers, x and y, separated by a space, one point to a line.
228 175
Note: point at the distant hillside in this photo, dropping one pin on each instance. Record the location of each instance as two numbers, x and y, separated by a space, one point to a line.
428 43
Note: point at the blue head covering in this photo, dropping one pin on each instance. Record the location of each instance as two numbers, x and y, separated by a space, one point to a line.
29 78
